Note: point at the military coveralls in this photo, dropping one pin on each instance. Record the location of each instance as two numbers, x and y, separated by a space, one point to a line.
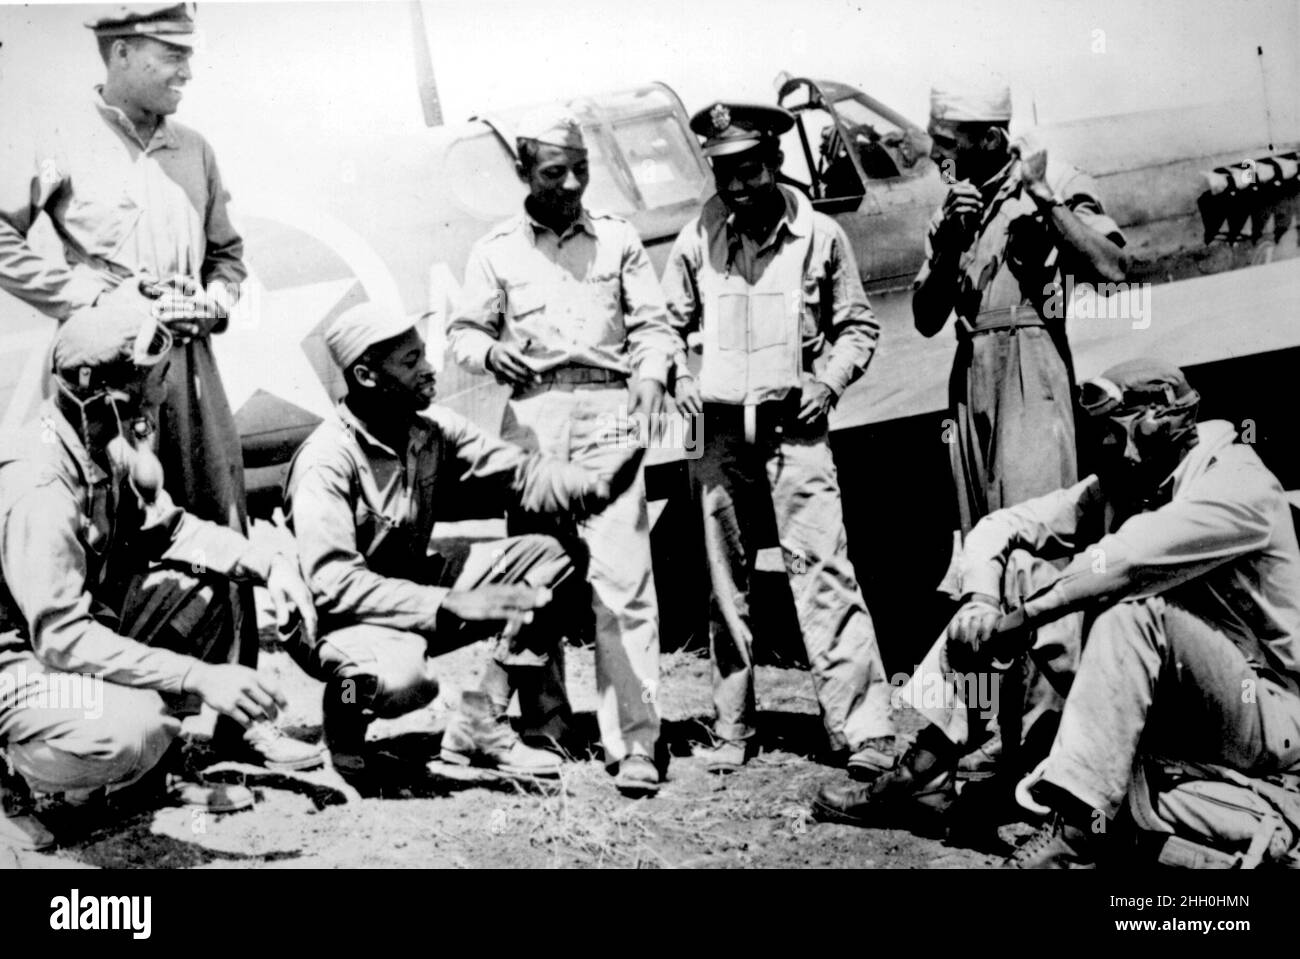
119 207
1011 389
362 516
82 599
1177 609
767 313
586 310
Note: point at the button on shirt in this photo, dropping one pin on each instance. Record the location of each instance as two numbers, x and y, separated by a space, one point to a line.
842 327
363 515
588 297
71 538
120 206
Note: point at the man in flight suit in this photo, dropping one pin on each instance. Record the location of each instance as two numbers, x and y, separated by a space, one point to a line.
1180 589
108 584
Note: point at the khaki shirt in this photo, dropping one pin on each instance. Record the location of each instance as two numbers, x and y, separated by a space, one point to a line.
1223 546
1014 259
844 329
119 206
587 298
72 537
363 514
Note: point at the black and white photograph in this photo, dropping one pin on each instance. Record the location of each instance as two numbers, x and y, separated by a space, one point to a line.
745 435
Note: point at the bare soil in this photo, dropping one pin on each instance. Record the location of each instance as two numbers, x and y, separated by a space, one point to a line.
757 817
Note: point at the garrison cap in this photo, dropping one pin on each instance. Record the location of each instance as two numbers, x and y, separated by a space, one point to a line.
983 99
735 127
553 125
360 328
169 22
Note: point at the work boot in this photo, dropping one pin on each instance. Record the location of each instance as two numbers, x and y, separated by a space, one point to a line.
922 784
478 735
875 757
271 747
20 827
344 723
1057 845
728 756
637 776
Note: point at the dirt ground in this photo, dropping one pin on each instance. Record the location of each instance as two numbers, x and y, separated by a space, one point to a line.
754 818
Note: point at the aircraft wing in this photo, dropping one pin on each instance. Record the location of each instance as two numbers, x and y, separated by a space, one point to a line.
1188 322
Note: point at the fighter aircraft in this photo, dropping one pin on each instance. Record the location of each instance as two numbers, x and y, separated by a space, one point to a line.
1198 191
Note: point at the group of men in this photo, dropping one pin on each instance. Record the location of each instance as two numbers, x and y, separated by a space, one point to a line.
122 545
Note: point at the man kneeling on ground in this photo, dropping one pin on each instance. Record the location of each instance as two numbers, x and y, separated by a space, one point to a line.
114 611
363 495
1182 589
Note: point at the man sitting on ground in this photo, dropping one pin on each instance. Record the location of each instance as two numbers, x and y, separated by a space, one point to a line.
107 584
1183 589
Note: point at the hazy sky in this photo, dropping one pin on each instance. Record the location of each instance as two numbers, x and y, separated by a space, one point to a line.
277 81
355 59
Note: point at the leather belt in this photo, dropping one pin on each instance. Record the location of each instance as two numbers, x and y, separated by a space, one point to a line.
754 421
991 321
580 375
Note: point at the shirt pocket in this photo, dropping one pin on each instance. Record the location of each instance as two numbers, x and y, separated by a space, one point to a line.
526 301
529 316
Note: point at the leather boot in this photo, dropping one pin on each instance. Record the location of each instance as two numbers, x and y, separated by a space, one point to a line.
478 735
921 785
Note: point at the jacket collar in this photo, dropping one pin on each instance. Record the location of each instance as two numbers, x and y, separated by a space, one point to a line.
1212 438
164 137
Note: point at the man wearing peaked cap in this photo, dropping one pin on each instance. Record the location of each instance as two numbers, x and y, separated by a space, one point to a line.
106 580
728 128
171 23
362 497
1197 601
561 303
141 209
773 290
